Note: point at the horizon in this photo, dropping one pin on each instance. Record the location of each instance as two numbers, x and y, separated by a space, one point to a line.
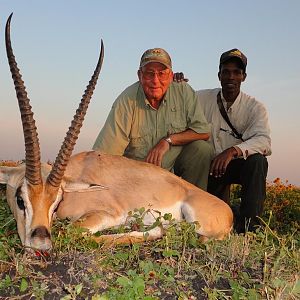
57 45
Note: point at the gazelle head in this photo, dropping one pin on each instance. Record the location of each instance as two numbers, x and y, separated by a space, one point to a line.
34 189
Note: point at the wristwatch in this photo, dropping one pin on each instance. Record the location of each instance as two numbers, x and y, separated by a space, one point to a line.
168 139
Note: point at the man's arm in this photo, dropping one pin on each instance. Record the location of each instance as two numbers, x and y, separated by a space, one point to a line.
257 134
187 136
257 140
156 154
196 126
220 162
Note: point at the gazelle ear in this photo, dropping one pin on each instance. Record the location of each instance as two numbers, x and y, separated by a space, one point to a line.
3 175
7 172
80 189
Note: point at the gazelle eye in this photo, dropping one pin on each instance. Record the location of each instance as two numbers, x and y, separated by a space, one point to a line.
20 203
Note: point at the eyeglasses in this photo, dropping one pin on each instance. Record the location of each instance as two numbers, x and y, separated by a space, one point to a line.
161 75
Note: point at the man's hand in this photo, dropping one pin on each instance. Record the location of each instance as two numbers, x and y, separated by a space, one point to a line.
156 154
219 164
179 77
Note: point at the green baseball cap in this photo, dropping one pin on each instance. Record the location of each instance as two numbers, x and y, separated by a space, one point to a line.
156 55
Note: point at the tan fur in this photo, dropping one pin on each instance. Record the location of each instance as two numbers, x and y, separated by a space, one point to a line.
100 189
127 184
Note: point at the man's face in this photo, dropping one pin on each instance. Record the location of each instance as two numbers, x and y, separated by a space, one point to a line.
155 79
231 76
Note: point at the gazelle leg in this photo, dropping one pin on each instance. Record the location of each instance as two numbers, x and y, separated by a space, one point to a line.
214 216
97 221
129 237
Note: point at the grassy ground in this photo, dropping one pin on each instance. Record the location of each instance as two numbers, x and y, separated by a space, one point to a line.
261 265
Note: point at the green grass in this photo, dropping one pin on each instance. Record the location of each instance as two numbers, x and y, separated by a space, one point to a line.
260 265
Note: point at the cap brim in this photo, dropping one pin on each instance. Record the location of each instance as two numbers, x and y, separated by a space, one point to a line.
233 56
155 61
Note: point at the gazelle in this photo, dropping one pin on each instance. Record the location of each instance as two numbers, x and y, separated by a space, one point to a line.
97 190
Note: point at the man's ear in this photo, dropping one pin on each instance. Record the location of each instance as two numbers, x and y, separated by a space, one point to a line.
244 77
139 74
219 76
171 76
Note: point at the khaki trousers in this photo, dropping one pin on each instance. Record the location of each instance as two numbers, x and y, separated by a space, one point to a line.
191 162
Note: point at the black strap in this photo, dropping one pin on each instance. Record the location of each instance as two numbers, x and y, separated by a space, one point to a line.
225 117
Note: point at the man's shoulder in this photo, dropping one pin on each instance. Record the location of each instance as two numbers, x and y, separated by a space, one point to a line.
181 87
208 92
131 91
129 95
181 93
206 96
251 101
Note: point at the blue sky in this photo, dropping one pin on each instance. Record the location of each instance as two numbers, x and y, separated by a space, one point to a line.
56 45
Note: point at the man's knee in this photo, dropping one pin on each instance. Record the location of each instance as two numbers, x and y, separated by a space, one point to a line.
257 163
200 149
193 163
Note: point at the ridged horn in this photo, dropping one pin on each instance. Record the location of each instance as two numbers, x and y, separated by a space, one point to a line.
65 152
32 146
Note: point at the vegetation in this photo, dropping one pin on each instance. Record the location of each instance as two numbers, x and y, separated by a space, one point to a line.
260 265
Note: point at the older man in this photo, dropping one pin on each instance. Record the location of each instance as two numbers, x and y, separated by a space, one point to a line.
159 121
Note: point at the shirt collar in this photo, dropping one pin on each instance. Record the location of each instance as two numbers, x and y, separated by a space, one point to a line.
236 101
147 103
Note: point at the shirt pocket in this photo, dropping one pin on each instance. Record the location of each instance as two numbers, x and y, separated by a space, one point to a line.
138 146
138 141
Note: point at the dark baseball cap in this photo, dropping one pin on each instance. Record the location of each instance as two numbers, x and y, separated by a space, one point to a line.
156 55
234 53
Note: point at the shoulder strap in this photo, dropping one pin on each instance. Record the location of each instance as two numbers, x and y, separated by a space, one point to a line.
225 117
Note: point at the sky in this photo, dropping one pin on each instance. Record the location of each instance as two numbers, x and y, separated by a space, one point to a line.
56 44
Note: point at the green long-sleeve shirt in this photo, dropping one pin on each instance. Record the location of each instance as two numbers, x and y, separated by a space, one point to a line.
133 126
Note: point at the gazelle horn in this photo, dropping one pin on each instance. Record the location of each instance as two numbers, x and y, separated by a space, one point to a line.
59 167
32 147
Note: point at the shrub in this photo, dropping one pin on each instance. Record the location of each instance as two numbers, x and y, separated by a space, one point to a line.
281 207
